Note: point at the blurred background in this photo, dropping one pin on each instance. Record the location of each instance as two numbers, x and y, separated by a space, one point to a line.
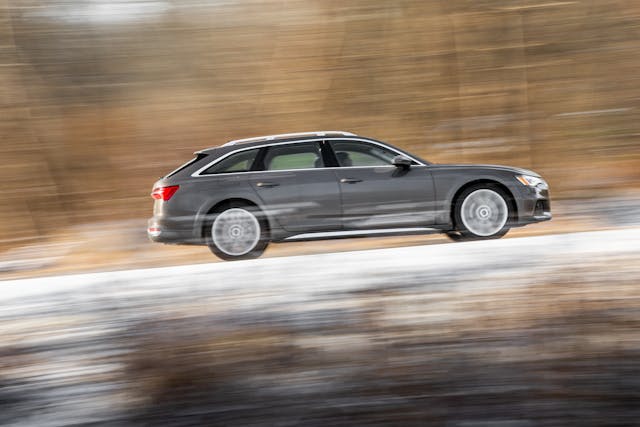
99 98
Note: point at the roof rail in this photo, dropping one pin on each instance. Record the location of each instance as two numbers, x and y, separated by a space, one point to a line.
288 135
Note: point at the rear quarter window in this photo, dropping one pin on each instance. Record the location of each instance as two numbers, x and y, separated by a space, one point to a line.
238 162
198 157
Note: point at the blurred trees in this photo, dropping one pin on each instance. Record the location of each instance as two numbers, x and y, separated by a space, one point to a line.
99 98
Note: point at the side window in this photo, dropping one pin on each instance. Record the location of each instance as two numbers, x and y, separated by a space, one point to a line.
357 153
239 162
293 156
199 157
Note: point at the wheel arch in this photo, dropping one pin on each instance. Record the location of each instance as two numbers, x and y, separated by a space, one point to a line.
205 215
513 206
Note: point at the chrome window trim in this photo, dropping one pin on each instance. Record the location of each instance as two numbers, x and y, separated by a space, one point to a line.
198 174
182 166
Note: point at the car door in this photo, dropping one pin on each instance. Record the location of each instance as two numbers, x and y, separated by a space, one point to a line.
296 189
376 194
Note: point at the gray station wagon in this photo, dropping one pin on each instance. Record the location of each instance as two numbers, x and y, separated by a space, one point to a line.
317 185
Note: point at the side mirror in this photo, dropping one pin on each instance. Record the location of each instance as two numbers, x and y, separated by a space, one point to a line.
401 161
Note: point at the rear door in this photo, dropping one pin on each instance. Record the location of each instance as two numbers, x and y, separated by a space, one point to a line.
296 188
376 194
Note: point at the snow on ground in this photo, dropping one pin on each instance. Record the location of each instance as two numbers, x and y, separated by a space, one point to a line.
73 329
344 269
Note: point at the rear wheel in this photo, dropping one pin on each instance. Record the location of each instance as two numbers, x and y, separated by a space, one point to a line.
237 231
481 212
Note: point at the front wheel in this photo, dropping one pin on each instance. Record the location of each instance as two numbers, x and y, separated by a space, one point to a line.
237 232
481 212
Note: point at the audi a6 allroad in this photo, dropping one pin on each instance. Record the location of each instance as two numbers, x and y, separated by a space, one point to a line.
239 197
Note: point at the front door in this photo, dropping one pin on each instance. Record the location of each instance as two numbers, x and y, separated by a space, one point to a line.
376 194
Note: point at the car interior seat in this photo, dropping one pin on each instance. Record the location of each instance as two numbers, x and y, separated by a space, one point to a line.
344 159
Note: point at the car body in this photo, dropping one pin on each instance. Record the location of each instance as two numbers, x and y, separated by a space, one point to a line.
240 196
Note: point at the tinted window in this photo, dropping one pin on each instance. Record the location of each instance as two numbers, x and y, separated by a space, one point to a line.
357 153
294 156
239 162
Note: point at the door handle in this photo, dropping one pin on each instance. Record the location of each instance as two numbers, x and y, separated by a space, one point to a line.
267 184
350 180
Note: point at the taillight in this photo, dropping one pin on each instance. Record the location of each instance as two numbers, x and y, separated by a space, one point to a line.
164 193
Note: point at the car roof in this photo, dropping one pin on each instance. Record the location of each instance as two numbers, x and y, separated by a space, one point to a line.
285 137
260 141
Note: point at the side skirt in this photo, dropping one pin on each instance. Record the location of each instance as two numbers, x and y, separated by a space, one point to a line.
360 233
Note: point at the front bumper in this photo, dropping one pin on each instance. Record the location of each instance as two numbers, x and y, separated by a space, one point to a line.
534 205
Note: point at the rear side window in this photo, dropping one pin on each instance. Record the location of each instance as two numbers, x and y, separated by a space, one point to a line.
293 156
239 162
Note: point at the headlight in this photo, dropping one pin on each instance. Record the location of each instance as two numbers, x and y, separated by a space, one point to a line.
532 181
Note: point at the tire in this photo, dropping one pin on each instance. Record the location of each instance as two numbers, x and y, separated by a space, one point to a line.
481 212
237 231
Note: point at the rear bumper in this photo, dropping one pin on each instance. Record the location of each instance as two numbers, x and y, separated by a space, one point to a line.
172 231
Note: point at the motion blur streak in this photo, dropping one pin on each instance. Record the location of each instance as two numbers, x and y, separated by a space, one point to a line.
98 97
533 331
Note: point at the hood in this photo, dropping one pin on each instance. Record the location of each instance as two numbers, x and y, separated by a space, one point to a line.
517 171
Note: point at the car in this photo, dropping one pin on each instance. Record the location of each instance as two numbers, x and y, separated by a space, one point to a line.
239 197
